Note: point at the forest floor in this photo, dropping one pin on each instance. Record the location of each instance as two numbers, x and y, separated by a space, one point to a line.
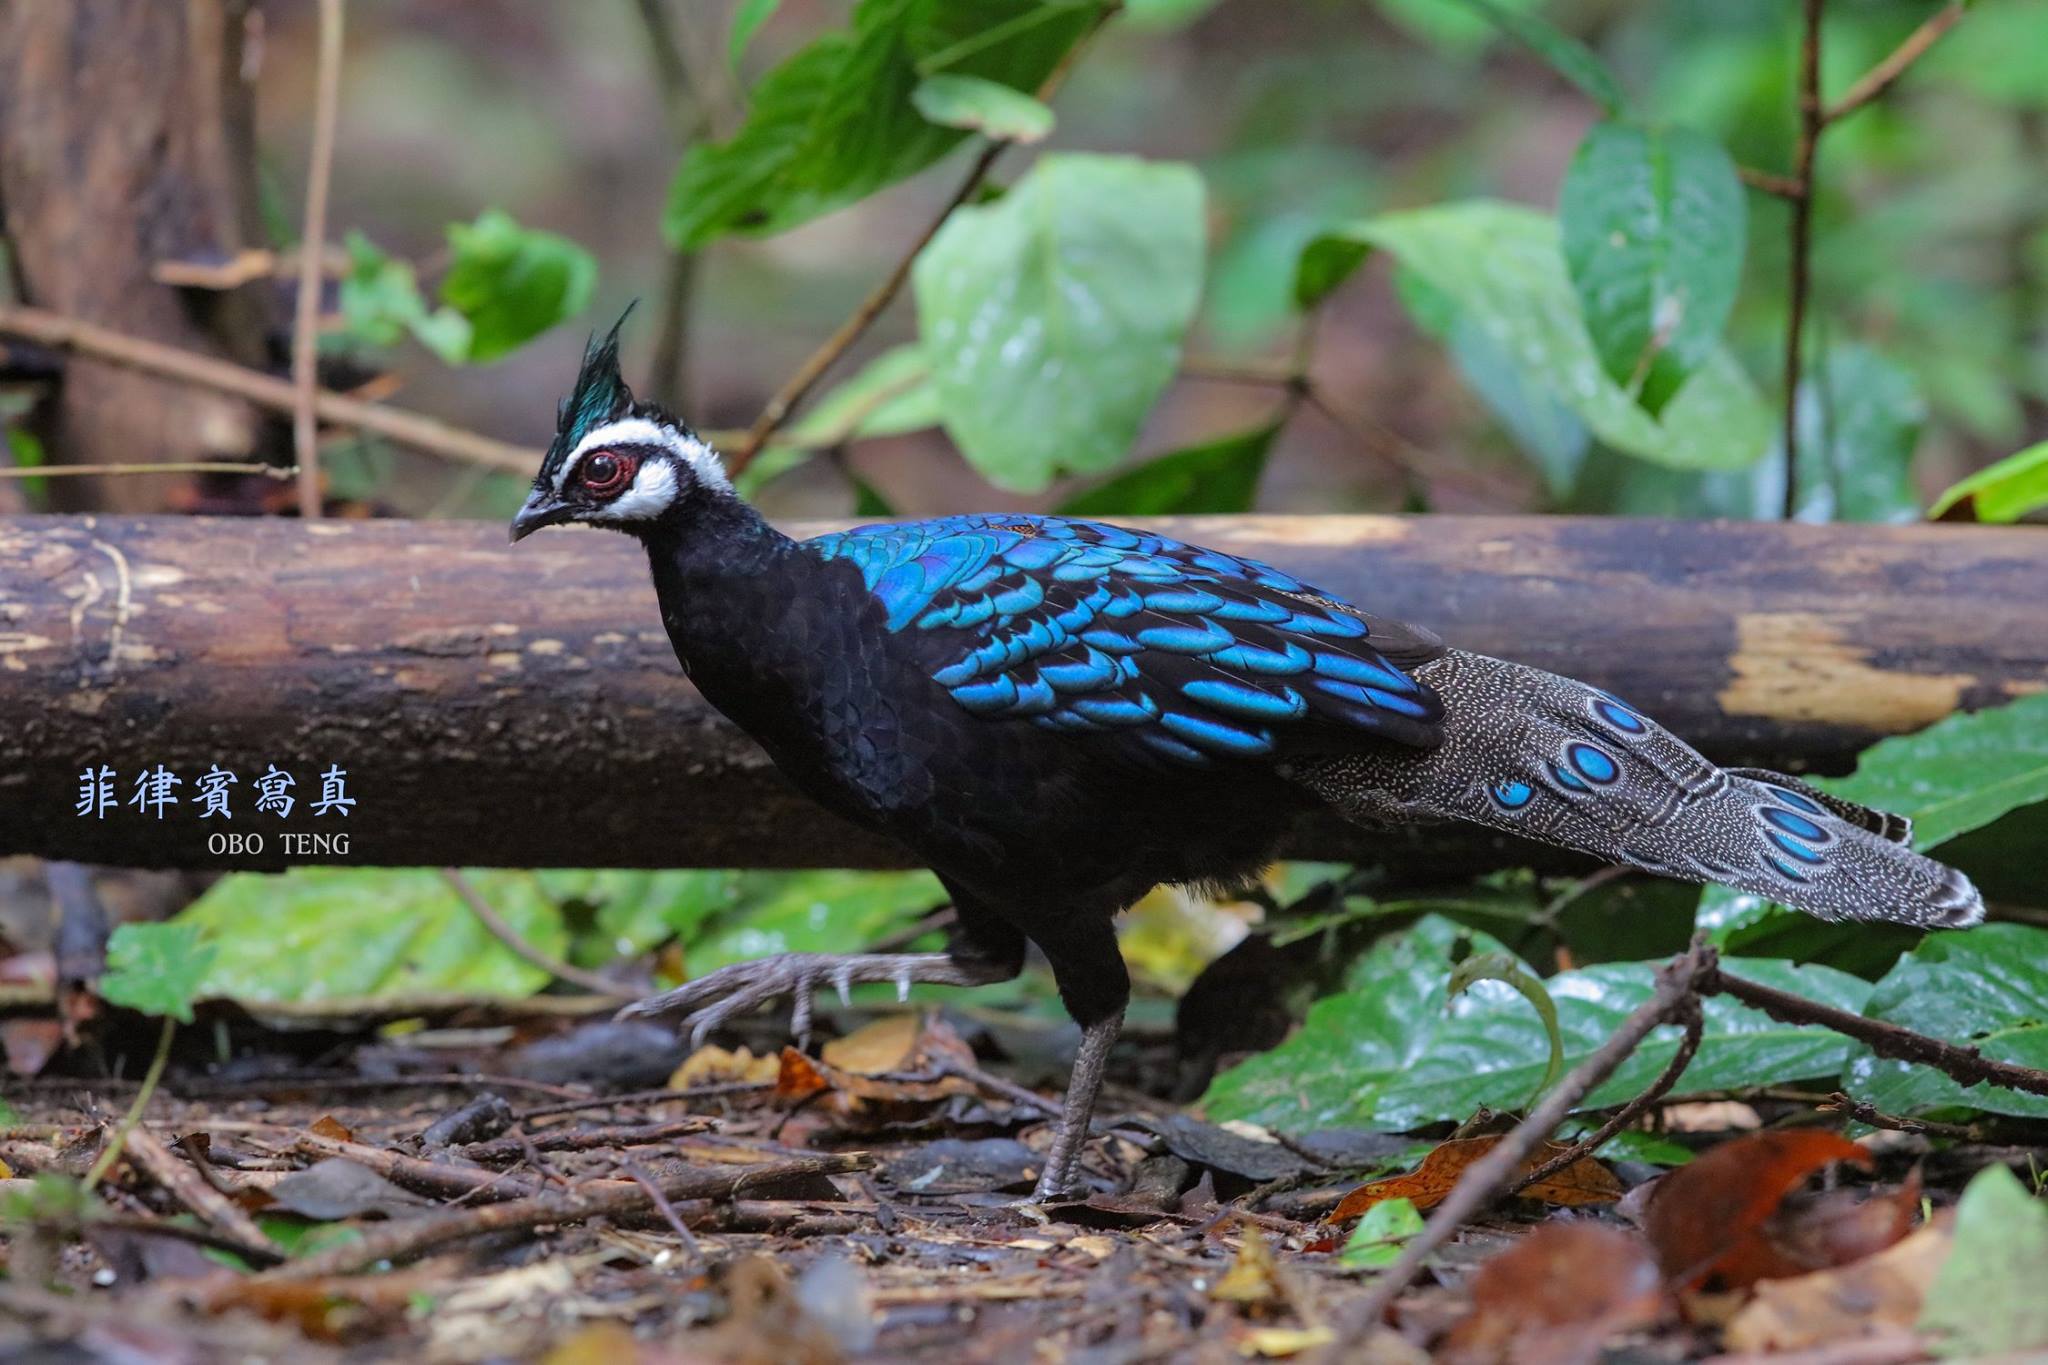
423 1196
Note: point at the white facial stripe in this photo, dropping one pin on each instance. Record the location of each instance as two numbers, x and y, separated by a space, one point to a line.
654 488
639 431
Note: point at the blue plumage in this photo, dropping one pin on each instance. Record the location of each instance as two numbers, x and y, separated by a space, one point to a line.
1177 652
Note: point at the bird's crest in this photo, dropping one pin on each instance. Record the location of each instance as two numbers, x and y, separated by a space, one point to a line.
600 396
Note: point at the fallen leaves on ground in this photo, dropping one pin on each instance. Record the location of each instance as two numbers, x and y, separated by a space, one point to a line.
1880 1295
1585 1181
1557 1295
1708 1219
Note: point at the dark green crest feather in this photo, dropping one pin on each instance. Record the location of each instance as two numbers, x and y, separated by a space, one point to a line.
600 396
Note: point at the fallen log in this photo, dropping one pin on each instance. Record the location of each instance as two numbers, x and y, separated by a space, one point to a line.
492 706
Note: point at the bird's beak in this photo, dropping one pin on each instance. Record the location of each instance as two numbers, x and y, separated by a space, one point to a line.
542 508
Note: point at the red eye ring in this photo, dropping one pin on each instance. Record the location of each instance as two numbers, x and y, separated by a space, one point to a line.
605 472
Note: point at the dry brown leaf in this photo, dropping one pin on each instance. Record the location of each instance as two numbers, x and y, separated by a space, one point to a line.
1710 1116
887 1044
1839 1227
713 1065
1278 1343
1707 1218
1585 1181
328 1126
1253 1277
1873 1296
797 1077
1556 1296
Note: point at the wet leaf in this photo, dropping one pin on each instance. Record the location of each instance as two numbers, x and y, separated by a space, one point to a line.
1987 1298
1707 1218
2006 491
1958 774
1653 224
1053 318
158 968
1585 1181
1557 1295
1987 987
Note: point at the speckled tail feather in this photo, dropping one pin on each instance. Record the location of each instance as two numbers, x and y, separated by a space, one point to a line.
1561 762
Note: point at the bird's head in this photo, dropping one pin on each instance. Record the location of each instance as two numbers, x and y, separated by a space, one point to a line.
615 462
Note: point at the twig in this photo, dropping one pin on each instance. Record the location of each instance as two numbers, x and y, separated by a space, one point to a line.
1770 182
112 1152
502 930
798 385
1689 1010
636 1135
409 429
639 1176
689 120
1841 1102
1812 119
660 1095
1880 78
400 1241
1483 1180
441 1179
312 243
1964 1065
1387 448
60 471
189 1188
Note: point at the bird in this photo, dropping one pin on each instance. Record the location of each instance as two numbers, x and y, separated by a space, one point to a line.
1058 715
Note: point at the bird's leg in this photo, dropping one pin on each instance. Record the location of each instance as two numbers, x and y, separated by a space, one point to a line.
711 1000
1082 1087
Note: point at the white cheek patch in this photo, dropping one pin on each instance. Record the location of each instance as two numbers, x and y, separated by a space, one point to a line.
639 431
654 488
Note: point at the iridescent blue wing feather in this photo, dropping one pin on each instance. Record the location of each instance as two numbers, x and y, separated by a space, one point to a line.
1188 654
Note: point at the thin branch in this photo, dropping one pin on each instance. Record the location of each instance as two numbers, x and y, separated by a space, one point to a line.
112 1152
1963 1065
312 242
408 429
1689 1011
1841 1102
59 471
1784 186
1880 78
1812 118
502 930
689 119
188 1186
1485 1178
799 385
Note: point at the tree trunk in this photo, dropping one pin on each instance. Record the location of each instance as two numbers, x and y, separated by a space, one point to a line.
521 707
126 139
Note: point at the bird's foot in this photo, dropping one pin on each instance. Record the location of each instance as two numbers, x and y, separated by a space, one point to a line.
728 992
1063 1159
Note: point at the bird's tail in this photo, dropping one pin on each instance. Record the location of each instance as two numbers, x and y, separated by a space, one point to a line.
1543 756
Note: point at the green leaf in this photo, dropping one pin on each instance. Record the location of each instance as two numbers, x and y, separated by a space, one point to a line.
1567 56
834 122
319 933
381 305
1859 420
512 283
1053 318
1960 773
1328 260
2007 491
1214 477
157 968
746 22
982 106
1376 1241
1382 1054
1986 1299
1985 987
1500 267
811 912
1653 222
891 395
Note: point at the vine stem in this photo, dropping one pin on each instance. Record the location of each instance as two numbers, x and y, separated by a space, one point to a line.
312 243
112 1151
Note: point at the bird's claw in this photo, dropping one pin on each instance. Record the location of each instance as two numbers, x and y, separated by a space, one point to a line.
710 1001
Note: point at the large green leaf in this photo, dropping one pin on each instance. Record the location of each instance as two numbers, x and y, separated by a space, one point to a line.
322 932
1653 223
1986 1301
1500 267
1985 987
1385 1054
1859 420
1053 318
1960 773
157 968
513 282
835 122
2006 491
1214 477
810 912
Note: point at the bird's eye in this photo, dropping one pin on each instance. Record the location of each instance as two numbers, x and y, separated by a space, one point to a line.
605 472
